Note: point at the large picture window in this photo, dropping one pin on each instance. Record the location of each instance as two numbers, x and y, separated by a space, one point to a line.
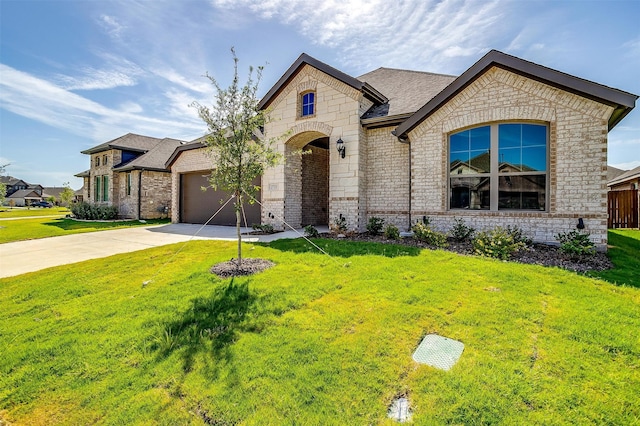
499 167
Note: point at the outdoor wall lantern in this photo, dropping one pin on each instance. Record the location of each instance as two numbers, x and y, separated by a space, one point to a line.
341 148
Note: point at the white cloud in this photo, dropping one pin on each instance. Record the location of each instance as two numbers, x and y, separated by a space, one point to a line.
111 25
117 72
407 34
43 101
627 166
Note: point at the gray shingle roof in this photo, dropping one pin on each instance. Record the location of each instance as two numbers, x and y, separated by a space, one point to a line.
629 174
24 193
155 158
406 90
10 180
130 142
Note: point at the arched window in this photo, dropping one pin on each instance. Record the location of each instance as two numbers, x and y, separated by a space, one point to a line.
307 103
499 167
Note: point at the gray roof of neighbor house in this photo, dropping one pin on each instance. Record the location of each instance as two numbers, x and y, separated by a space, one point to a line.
406 90
128 142
86 173
154 159
10 180
623 102
52 191
629 174
367 90
613 172
24 193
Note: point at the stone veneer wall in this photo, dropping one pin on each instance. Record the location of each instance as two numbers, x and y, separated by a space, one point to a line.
578 130
336 116
388 178
156 195
114 156
188 161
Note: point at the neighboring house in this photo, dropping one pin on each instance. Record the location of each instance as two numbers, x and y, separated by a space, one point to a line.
403 137
613 172
128 172
625 180
23 198
13 184
52 191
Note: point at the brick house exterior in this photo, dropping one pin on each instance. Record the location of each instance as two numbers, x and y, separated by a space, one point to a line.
128 172
402 162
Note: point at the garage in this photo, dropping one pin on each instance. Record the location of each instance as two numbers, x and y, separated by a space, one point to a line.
197 206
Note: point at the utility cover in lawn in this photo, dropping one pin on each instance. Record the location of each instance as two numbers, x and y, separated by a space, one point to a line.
439 352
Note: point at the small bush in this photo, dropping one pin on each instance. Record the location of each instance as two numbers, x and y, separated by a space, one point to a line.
375 225
339 225
498 243
576 243
86 211
460 231
265 228
391 232
311 232
518 235
422 232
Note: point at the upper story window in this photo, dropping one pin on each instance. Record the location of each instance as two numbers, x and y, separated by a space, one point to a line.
499 167
97 160
104 160
308 103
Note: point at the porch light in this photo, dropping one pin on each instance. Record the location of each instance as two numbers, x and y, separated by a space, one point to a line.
340 147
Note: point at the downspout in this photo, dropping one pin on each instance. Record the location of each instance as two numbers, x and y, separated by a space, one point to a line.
140 194
405 139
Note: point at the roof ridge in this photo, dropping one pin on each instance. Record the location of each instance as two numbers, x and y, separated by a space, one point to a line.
405 70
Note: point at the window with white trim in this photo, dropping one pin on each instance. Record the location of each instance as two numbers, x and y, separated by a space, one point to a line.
500 166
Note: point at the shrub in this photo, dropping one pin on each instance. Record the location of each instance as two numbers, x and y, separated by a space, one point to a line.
265 228
519 236
422 232
339 225
311 232
391 232
375 225
498 243
86 211
576 243
460 231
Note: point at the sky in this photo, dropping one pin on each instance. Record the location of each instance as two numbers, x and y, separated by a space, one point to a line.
74 74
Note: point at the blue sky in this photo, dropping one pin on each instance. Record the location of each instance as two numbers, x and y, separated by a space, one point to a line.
74 74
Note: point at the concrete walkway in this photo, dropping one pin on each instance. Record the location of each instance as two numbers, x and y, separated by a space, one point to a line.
33 255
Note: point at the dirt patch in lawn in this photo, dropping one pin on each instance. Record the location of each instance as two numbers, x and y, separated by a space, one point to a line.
249 266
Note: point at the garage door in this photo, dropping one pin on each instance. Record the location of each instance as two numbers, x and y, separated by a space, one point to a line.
197 206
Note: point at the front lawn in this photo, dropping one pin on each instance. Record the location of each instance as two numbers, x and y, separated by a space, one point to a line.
8 212
314 340
29 229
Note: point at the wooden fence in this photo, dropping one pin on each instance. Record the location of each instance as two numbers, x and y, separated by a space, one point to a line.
623 209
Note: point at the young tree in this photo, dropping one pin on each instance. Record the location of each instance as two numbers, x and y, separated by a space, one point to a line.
239 154
3 187
66 195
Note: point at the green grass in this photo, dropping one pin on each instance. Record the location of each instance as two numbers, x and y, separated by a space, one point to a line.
7 212
28 229
314 340
624 251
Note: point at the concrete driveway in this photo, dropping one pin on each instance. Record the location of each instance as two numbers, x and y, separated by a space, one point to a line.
33 255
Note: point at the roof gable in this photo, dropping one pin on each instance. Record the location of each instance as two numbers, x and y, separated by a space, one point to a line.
304 59
154 159
128 142
628 175
623 102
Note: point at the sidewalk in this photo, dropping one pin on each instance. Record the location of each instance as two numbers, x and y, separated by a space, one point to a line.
33 255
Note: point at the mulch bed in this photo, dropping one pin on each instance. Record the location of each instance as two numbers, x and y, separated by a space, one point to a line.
535 254
249 266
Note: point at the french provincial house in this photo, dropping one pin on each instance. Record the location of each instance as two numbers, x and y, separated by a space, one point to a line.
129 172
508 142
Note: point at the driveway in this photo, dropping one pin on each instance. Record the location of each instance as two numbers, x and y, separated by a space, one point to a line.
33 255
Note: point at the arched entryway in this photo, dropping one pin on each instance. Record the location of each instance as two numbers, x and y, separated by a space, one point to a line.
307 179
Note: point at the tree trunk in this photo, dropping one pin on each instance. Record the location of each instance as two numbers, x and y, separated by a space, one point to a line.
238 217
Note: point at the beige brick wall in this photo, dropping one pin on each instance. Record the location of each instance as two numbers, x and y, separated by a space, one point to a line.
387 178
577 154
336 116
